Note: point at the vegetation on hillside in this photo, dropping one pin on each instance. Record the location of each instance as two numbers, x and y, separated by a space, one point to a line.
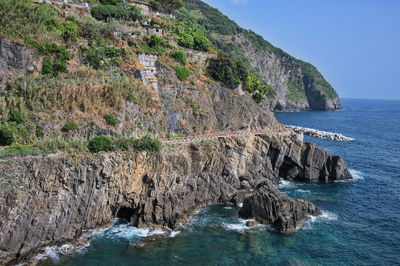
87 81
221 30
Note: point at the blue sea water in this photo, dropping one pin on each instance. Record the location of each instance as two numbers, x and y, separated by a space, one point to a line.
360 225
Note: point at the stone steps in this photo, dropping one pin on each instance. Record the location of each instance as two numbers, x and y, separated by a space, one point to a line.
149 73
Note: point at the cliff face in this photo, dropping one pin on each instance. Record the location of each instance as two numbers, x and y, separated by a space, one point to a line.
297 85
52 199
15 59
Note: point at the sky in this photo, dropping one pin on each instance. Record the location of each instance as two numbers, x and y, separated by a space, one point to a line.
355 44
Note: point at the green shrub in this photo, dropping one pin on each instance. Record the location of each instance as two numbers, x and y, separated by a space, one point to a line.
111 120
167 5
153 45
147 143
101 143
189 36
227 70
17 116
111 2
70 126
118 12
98 57
69 30
39 132
179 56
20 150
182 72
252 82
155 41
55 57
6 135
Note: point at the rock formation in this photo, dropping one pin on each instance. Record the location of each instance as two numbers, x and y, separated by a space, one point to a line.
271 207
52 199
15 59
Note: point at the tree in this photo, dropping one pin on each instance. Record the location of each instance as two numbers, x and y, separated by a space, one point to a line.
168 5
227 70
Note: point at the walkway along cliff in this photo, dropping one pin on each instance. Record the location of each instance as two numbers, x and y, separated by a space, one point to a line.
52 199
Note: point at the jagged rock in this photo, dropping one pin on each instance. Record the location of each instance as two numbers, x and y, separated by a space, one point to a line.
52 199
15 59
271 207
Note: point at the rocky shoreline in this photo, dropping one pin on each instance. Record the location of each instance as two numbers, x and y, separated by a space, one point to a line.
53 199
320 133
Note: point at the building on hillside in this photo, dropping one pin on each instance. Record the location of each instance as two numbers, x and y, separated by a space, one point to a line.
149 30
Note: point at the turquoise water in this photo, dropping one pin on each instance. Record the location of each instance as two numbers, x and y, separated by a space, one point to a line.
360 225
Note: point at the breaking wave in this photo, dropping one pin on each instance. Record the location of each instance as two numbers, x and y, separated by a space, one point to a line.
326 216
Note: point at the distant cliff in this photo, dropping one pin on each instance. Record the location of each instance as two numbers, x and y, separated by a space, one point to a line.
298 85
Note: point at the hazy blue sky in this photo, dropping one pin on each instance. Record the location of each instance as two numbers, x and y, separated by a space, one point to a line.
354 43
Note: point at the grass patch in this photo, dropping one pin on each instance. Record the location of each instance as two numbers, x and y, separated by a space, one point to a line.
111 119
70 126
20 150
179 56
182 73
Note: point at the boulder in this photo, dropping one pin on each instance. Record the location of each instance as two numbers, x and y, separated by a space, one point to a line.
269 206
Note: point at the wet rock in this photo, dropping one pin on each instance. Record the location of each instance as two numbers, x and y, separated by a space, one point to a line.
251 223
272 207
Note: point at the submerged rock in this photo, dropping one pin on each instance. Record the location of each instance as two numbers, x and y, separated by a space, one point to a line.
271 207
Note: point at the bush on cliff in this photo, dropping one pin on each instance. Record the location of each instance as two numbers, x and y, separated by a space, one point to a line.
182 73
101 143
111 119
107 143
228 70
167 5
6 135
179 56
117 12
147 143
17 117
189 36
70 126
111 2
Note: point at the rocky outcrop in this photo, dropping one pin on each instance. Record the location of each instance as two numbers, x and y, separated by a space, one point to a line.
320 133
52 199
309 163
15 59
298 85
271 207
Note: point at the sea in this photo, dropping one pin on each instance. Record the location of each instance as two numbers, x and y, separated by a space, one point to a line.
360 224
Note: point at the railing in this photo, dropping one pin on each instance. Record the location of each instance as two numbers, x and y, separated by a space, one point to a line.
229 134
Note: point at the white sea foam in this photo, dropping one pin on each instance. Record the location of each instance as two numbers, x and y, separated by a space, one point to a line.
228 208
54 252
357 175
285 184
129 232
239 227
303 191
174 233
326 216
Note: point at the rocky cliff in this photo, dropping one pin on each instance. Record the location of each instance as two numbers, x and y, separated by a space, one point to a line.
15 59
52 199
298 85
